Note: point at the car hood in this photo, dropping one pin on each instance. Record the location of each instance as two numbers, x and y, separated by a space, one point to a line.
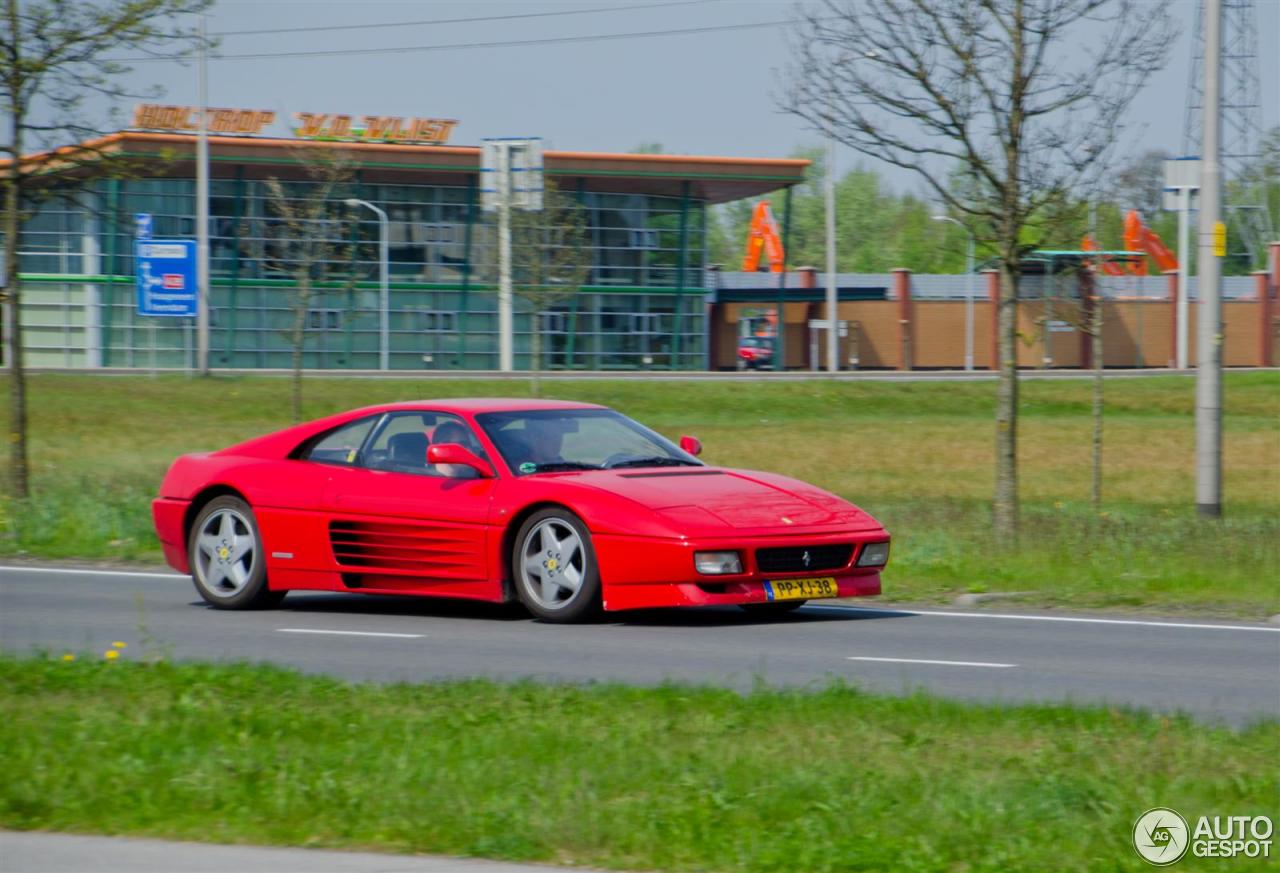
739 499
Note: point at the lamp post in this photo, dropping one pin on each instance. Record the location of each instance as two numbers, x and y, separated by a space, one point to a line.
968 293
384 296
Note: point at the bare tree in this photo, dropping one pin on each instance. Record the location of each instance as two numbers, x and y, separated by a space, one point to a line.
55 53
550 259
1140 183
308 242
1025 97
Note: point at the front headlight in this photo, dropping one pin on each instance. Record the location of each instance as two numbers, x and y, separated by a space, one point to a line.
717 563
874 555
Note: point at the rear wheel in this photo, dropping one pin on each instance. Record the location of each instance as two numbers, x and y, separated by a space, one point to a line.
779 607
554 567
228 564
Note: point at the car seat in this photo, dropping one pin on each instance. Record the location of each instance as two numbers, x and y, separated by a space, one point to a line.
408 449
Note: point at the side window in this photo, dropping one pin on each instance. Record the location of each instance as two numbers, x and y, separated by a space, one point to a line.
341 446
400 444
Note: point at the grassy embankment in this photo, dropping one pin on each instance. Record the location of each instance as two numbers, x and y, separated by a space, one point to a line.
917 455
649 779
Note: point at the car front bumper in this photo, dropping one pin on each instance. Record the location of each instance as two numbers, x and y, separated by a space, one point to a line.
639 572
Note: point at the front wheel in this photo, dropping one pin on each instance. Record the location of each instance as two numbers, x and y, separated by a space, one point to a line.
228 564
554 567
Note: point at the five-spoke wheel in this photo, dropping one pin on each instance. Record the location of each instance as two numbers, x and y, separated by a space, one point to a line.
227 563
554 566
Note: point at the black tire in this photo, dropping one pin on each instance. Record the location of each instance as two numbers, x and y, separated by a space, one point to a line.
552 595
228 562
779 607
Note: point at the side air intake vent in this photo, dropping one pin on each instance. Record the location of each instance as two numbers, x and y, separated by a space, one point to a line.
403 547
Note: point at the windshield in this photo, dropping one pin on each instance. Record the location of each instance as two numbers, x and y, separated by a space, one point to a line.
554 440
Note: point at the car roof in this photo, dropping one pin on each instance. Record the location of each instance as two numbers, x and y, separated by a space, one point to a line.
280 443
482 404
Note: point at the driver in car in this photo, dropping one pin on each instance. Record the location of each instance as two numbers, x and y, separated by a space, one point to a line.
538 443
545 439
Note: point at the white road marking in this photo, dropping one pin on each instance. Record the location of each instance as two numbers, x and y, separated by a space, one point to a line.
923 661
342 633
1064 618
86 571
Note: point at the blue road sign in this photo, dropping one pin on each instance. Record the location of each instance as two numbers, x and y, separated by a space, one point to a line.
142 225
166 276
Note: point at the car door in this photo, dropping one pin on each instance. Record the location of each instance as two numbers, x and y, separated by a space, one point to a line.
396 523
288 505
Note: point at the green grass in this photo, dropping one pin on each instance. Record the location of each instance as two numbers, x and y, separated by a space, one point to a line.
674 778
917 455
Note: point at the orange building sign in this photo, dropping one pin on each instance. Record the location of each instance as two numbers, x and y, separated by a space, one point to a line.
150 116
311 125
381 128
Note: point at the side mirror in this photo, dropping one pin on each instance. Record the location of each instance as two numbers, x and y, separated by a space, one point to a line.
455 453
692 445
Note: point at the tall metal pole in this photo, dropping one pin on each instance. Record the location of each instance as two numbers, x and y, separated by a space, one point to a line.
506 327
780 343
384 292
384 283
202 209
1209 333
833 319
1184 270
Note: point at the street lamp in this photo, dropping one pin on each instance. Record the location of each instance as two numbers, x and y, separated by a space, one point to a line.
384 297
968 293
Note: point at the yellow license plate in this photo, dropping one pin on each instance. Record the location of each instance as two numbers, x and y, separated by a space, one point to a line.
801 589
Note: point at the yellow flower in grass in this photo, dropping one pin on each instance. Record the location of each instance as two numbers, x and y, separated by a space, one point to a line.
68 657
118 645
110 654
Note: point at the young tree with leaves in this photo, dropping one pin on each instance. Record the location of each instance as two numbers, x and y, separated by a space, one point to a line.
1025 97
550 260
54 54
309 243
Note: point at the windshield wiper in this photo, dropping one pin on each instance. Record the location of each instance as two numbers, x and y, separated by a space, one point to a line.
560 466
655 461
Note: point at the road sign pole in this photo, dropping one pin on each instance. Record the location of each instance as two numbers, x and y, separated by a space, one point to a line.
202 210
1184 269
506 327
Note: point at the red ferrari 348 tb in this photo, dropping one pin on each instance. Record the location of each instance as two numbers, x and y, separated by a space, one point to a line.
567 507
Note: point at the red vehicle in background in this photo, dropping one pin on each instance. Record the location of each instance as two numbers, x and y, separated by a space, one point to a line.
755 352
568 508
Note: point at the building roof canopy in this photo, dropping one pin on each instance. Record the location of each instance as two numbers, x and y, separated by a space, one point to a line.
714 179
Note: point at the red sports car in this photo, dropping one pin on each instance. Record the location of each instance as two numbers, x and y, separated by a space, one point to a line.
567 507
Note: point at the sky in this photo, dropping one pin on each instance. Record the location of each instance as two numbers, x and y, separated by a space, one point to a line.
711 92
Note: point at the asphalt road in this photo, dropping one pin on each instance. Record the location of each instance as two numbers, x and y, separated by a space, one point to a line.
27 852
1215 671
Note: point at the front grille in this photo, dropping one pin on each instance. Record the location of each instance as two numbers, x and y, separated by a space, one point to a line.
791 559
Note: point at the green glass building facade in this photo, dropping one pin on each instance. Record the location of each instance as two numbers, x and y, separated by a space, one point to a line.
642 305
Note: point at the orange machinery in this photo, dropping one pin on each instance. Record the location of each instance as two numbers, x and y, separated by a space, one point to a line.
763 237
1137 238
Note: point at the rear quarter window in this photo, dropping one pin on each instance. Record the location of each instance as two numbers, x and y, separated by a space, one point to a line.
340 446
